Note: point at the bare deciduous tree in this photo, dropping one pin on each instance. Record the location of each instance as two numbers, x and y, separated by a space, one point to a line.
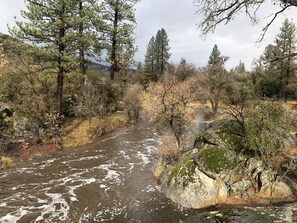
166 102
223 11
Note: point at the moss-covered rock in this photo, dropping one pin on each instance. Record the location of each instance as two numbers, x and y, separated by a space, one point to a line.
224 133
218 168
217 159
184 170
186 185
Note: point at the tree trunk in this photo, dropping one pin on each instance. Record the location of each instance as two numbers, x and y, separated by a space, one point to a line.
176 135
114 64
81 48
288 74
280 93
112 71
214 105
60 83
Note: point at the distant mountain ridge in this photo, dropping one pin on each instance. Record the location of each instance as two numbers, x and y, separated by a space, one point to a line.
6 43
104 68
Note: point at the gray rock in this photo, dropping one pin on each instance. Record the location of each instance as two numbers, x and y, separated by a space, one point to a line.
254 167
186 185
267 176
222 133
197 180
276 190
240 188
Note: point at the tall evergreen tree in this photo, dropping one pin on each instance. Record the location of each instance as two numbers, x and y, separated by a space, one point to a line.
89 30
215 56
118 25
216 77
279 65
162 51
157 55
266 73
150 57
49 27
285 45
81 34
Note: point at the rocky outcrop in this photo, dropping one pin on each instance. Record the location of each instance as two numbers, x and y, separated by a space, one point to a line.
225 133
186 185
275 190
217 170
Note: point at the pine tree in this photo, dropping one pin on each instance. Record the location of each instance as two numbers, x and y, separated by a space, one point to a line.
150 57
118 24
162 51
279 65
216 78
215 56
81 34
285 45
157 55
240 68
89 40
49 27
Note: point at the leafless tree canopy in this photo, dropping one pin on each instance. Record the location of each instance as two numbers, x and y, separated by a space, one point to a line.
223 11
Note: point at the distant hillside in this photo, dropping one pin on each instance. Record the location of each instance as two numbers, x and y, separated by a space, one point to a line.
98 66
7 43
104 68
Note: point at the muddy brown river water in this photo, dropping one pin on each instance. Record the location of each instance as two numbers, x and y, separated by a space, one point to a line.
108 181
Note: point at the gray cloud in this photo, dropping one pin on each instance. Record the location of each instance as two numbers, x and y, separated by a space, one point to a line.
8 10
178 18
236 40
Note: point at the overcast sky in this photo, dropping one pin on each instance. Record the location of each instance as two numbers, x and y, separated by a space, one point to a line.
178 18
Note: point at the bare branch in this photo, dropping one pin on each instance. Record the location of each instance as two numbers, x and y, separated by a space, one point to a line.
284 57
223 11
270 22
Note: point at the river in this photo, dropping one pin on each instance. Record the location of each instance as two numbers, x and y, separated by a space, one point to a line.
110 180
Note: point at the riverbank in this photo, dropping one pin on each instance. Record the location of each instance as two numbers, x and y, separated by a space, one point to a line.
76 132
81 131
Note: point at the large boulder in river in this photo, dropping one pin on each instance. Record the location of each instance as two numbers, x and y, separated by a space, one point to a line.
186 185
218 147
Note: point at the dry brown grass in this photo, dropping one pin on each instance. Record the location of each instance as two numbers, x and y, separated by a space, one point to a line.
168 153
79 132
159 168
291 104
291 150
6 162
